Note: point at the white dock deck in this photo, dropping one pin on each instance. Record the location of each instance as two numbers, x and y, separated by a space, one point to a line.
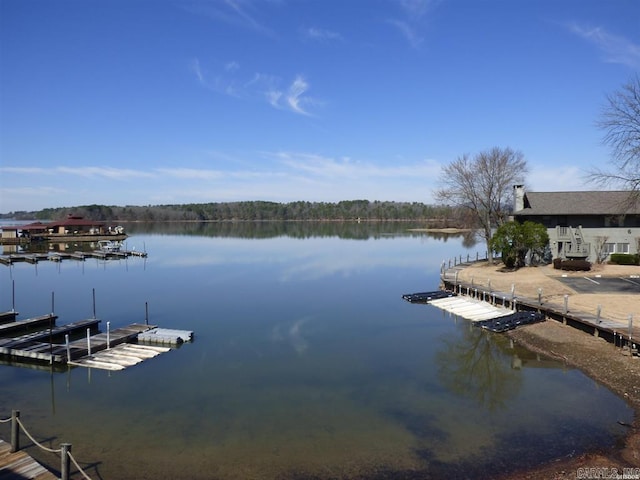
119 357
165 336
470 308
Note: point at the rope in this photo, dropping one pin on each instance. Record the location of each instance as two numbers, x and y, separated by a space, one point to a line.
35 441
5 420
78 466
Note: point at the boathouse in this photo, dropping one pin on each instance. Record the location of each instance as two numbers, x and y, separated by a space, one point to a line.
587 225
73 227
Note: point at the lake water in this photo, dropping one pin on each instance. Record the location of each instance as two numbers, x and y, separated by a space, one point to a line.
306 364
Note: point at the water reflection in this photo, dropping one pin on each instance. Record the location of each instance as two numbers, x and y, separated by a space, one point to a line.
294 229
475 365
307 364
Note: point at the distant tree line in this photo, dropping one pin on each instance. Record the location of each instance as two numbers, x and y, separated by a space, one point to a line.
365 210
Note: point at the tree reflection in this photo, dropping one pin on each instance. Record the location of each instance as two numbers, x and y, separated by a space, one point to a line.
476 365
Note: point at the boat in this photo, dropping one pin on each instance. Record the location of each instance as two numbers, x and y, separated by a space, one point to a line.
109 246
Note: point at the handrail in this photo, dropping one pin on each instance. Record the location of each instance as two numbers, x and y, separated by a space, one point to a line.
64 450
26 432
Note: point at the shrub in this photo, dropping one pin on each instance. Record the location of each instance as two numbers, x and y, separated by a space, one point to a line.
557 263
575 265
624 259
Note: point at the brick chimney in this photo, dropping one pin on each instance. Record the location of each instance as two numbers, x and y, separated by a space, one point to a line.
518 198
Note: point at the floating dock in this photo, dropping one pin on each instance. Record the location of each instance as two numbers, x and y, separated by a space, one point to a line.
39 339
480 313
470 308
119 357
59 256
426 297
165 336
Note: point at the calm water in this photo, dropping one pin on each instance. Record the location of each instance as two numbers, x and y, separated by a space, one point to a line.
307 364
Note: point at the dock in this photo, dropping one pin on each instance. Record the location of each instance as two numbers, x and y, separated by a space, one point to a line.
119 357
20 465
611 330
165 336
34 258
8 317
40 340
470 308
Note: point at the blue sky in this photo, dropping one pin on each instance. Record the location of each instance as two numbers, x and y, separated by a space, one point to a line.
137 102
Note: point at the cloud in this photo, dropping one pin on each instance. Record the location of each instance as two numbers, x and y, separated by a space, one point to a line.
106 172
411 22
292 99
87 171
232 66
259 86
295 97
237 13
408 31
190 173
197 70
614 49
26 170
315 33
327 167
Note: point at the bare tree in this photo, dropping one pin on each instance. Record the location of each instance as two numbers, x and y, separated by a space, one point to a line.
599 244
483 185
620 121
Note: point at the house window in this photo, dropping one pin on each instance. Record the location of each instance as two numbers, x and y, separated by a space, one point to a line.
609 248
622 248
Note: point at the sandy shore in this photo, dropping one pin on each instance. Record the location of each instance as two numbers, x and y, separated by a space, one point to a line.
600 360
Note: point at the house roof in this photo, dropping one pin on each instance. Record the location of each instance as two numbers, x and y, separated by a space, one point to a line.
26 226
579 203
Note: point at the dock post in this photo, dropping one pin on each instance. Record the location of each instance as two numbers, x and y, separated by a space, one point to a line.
513 291
88 341
66 341
566 304
53 302
489 284
15 431
540 297
598 312
93 291
146 313
65 449
13 295
108 335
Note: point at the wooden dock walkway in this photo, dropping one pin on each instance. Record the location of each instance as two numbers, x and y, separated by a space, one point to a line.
20 466
11 328
612 331
38 343
8 317
59 256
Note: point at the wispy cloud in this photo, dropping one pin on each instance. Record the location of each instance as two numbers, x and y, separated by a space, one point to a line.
409 31
321 34
411 21
238 13
613 48
197 70
83 171
264 86
345 167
